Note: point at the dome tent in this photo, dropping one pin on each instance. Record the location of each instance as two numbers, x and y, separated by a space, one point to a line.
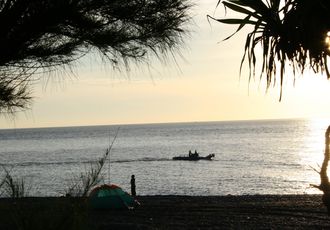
111 196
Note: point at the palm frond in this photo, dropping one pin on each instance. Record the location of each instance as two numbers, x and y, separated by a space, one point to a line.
290 32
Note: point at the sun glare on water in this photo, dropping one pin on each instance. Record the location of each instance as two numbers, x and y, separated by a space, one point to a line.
313 151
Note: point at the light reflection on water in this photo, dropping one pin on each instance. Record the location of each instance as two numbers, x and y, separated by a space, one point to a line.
252 157
313 152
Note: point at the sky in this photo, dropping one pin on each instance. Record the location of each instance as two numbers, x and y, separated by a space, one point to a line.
201 84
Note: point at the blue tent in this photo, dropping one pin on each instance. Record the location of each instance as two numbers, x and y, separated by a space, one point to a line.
111 197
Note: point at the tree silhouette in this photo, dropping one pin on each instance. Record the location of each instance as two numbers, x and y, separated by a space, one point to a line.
293 33
289 31
44 35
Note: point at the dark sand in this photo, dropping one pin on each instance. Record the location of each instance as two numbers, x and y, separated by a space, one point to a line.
228 212
191 212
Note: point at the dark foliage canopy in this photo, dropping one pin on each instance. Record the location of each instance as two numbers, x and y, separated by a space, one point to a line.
43 35
291 32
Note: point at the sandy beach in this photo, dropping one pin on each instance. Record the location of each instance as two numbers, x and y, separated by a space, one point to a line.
227 212
171 212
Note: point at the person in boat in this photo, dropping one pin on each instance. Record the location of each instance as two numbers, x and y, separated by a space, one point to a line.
190 153
196 154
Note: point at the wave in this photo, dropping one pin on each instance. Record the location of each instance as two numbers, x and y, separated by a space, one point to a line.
28 164
147 159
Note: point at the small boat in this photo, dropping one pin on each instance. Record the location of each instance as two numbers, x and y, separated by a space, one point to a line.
194 157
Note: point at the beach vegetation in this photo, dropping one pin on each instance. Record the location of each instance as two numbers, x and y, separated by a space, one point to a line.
12 187
18 211
69 212
325 184
39 37
292 34
82 185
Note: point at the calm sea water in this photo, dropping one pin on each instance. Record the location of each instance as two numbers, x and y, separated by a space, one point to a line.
252 157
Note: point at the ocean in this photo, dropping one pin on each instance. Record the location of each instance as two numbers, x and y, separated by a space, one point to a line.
251 157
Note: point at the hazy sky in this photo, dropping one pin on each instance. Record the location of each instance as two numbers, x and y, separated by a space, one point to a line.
204 85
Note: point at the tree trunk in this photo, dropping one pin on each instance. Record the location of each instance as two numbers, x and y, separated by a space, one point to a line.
325 185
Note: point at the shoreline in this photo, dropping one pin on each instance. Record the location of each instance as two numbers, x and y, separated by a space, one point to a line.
188 212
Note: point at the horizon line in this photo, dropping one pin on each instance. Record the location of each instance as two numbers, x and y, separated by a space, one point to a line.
165 123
